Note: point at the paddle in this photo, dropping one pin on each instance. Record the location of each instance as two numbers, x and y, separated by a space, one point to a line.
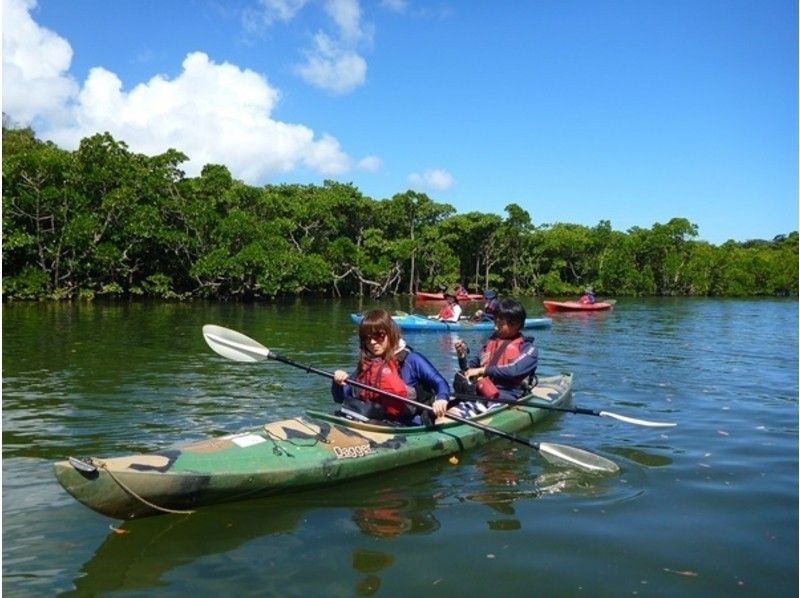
577 410
238 347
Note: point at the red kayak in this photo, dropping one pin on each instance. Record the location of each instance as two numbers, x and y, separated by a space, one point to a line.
440 296
554 306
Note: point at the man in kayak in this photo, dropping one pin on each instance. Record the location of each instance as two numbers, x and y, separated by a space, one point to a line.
505 366
588 296
451 311
489 308
387 363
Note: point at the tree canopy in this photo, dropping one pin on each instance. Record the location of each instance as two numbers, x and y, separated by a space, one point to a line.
103 220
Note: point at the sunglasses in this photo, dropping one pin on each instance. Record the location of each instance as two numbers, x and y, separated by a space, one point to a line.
378 336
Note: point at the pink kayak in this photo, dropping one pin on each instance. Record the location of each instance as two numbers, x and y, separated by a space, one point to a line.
554 306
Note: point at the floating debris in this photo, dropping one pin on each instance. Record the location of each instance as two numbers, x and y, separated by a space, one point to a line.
684 573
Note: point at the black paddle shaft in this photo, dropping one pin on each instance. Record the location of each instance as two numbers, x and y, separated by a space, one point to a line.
326 374
581 410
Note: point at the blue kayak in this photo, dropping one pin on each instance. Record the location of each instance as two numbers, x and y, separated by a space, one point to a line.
417 322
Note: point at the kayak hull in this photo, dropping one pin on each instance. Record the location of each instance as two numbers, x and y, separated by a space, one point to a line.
418 323
421 296
556 306
311 450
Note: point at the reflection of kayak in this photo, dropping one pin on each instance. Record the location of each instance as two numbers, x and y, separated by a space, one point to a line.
440 296
417 322
306 451
142 553
553 306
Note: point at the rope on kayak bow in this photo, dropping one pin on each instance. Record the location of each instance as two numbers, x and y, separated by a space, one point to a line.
144 501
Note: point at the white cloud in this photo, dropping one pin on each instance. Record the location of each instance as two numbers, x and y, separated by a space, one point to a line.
347 16
281 10
333 61
395 5
432 178
269 11
214 113
329 66
369 164
35 64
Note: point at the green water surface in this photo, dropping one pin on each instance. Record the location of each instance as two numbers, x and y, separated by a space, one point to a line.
709 508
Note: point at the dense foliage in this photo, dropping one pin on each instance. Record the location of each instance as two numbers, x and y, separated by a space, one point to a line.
103 220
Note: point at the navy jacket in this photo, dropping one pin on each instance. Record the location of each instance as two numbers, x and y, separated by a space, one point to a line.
503 376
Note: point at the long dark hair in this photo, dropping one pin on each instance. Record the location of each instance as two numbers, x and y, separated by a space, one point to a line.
377 320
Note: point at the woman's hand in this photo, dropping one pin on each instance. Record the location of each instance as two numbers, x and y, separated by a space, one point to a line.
460 347
440 407
340 376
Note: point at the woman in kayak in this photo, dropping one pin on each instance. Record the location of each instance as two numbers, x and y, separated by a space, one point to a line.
451 311
387 363
506 364
588 296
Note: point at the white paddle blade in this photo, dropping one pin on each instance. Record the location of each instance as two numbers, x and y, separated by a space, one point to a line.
570 455
636 421
234 345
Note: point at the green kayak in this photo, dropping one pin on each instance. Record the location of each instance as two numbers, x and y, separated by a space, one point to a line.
307 451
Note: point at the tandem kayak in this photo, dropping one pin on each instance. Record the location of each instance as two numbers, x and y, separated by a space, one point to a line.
311 450
554 306
416 323
440 296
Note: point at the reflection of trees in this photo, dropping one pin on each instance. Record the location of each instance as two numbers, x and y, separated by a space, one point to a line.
508 477
370 562
503 470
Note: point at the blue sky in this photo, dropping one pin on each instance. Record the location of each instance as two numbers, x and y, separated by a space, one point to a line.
633 111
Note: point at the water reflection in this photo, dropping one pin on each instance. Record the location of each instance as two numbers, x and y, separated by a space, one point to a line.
643 457
121 378
394 512
143 554
507 476
138 554
370 562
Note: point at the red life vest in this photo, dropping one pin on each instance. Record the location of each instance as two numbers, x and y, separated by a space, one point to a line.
512 351
386 376
447 313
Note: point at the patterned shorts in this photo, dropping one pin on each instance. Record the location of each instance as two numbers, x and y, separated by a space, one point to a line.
471 408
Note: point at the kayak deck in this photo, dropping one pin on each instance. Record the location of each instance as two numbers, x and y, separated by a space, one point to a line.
310 450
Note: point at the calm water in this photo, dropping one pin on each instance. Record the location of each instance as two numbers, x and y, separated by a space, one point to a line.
709 508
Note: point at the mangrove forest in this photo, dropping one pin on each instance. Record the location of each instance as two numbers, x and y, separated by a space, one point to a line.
104 221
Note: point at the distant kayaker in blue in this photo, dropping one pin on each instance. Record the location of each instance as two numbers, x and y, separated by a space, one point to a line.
588 296
388 363
506 364
489 308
